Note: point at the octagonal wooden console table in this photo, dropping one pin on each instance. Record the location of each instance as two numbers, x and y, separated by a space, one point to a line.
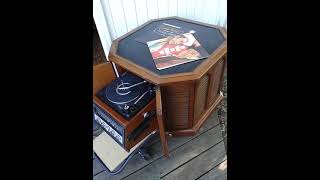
186 94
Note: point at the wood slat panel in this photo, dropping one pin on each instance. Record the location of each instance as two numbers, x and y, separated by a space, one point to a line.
222 12
200 98
215 81
190 9
207 10
152 8
198 11
108 17
163 8
102 25
142 13
118 16
182 8
137 162
173 7
180 156
176 106
130 14
213 11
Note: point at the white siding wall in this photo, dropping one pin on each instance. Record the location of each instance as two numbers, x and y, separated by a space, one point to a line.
114 18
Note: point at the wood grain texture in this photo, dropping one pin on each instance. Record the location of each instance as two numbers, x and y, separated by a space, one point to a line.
176 105
160 117
154 148
200 97
98 53
164 80
180 156
217 173
215 82
136 121
97 167
206 114
224 64
213 157
153 126
181 115
192 131
102 75
175 102
192 91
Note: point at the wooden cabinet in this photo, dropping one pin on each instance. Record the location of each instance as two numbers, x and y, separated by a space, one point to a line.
190 92
186 94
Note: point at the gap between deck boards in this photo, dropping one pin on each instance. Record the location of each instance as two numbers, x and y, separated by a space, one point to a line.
179 156
137 163
218 172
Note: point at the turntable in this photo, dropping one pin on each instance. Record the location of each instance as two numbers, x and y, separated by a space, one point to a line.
127 94
125 107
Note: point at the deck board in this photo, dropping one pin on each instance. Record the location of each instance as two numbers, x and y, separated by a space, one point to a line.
179 156
97 168
217 173
182 150
200 164
155 149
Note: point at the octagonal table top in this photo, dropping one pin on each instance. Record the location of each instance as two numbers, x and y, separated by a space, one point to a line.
137 57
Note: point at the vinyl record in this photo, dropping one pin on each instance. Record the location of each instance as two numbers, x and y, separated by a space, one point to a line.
116 95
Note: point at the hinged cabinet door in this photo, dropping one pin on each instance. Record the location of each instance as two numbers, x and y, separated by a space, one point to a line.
216 77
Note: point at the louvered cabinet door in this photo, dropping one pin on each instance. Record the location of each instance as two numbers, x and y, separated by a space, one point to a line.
176 106
201 94
216 78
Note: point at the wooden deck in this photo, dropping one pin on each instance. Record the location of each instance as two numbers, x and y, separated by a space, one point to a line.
202 156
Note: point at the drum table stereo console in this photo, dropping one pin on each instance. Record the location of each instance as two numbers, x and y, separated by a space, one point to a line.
185 94
125 108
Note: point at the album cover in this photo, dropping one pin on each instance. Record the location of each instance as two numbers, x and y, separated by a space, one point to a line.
175 50
162 31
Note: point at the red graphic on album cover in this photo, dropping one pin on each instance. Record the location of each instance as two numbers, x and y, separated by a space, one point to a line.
175 50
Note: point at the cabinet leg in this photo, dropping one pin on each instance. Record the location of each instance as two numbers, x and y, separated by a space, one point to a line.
163 136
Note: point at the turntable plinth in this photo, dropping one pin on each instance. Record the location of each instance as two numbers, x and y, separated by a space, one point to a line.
187 93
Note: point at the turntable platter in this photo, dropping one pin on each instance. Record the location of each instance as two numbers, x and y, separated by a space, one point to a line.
127 94
116 92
